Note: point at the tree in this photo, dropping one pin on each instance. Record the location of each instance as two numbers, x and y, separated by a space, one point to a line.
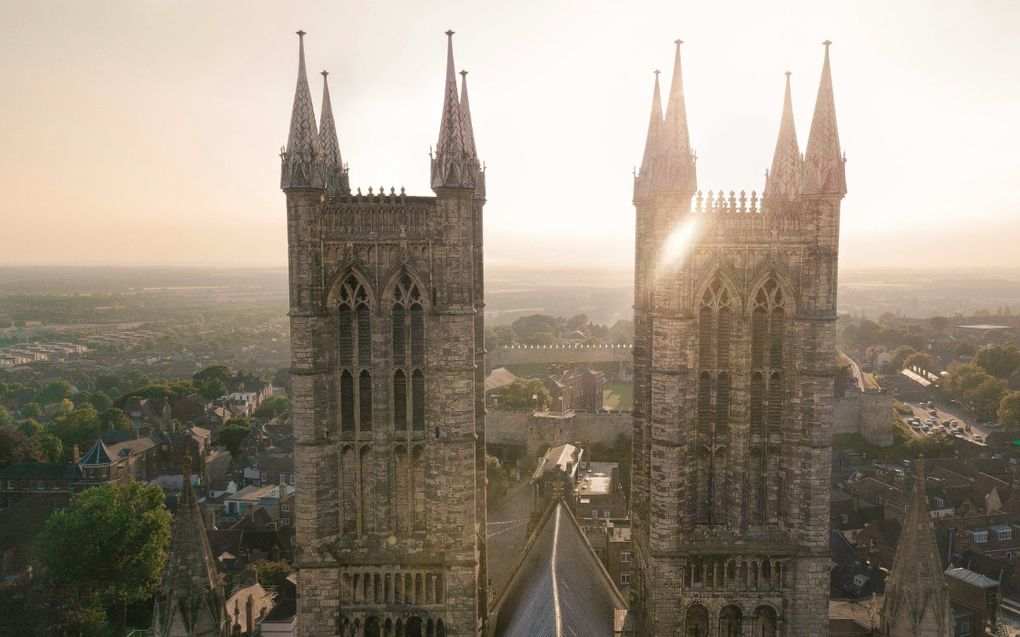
100 401
525 393
922 360
221 373
211 389
5 417
900 355
32 410
272 407
51 446
54 392
31 427
136 378
113 419
127 529
938 323
964 349
79 427
233 434
16 447
999 360
1009 410
272 573
496 479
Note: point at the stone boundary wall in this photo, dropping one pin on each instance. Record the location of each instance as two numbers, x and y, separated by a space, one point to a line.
870 415
522 354
525 429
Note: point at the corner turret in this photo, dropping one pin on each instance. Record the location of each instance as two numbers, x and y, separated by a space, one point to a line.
678 160
453 166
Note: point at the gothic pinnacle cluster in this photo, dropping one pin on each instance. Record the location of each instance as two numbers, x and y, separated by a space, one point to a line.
669 166
455 164
312 157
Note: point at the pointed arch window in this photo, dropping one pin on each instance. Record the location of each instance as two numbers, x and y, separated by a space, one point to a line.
714 330
768 400
354 355
408 355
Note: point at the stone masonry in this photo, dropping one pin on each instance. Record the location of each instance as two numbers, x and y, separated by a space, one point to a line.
735 300
388 378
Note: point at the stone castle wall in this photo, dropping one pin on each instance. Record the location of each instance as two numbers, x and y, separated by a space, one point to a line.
520 428
870 415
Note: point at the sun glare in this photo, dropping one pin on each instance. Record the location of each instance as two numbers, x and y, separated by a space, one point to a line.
675 247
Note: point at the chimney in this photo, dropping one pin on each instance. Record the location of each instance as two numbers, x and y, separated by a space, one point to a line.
249 620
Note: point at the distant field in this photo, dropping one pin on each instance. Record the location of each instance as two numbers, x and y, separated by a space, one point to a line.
618 396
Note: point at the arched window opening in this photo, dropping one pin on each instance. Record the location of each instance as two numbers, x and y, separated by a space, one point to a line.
399 334
349 493
705 336
364 335
705 404
346 401
418 487
367 491
418 400
696 621
346 335
365 400
417 335
402 497
723 333
703 486
730 621
775 408
722 404
757 404
765 622
399 400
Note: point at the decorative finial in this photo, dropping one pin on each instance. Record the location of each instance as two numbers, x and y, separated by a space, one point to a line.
656 71
463 73
301 35
325 73
788 74
678 42
826 44
449 34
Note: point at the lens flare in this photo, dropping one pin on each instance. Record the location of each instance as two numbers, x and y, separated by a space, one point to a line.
674 249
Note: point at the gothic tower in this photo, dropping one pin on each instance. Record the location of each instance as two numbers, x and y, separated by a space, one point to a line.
387 363
735 300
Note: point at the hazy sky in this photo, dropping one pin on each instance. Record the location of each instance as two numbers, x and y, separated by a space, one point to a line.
148 132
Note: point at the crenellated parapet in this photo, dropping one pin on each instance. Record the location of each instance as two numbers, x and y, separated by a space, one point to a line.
380 214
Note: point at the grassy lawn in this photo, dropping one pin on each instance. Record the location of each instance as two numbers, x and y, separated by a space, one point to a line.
618 396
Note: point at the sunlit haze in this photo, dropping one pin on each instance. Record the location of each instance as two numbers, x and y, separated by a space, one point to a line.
149 133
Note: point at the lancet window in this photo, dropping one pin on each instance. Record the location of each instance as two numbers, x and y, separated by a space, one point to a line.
767 394
354 354
715 329
408 356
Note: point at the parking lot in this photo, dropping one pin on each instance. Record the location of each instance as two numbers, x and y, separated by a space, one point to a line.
964 427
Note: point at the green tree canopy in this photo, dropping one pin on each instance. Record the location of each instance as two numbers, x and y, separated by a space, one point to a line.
5 417
272 573
924 360
273 406
233 434
113 419
107 549
1009 410
32 410
999 360
963 348
31 427
900 356
79 427
54 392
16 447
221 373
525 393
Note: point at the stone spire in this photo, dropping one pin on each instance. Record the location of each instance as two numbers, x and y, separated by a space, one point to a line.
679 161
823 161
302 159
783 180
467 130
653 142
190 600
451 165
334 171
916 594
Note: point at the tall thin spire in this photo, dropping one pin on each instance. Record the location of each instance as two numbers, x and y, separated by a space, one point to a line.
644 180
916 594
334 171
823 161
681 175
783 180
467 130
302 159
190 599
450 166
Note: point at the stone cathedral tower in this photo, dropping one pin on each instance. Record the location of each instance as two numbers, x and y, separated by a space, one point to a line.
387 372
735 299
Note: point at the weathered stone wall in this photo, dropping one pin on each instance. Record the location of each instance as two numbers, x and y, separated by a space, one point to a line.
870 415
521 428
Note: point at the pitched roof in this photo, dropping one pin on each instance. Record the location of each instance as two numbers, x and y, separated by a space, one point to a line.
41 471
99 454
559 586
